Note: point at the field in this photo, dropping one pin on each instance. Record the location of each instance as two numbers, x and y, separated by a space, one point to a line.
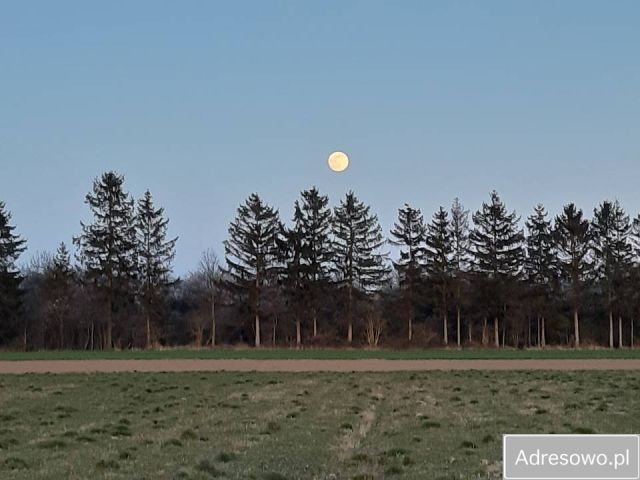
441 425
326 354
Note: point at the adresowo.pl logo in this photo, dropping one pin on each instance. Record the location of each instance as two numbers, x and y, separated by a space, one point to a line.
571 457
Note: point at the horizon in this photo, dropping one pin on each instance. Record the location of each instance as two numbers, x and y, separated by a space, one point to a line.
206 105
28 256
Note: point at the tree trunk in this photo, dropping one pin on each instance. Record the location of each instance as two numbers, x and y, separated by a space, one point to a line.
445 327
408 298
458 340
469 330
349 319
198 336
61 334
108 339
213 321
538 332
543 334
256 307
620 331
496 335
273 333
632 332
610 329
576 329
148 328
257 327
445 320
314 314
485 339
504 323
298 333
107 343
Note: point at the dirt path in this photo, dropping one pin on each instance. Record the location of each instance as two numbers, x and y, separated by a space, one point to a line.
369 365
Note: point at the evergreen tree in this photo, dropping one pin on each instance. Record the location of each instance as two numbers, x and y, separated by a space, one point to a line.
540 264
316 249
634 239
358 260
155 254
409 233
497 249
623 265
459 232
59 283
252 253
107 246
11 246
292 248
439 265
572 238
634 277
611 251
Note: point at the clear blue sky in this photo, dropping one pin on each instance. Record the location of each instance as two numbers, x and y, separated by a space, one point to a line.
205 102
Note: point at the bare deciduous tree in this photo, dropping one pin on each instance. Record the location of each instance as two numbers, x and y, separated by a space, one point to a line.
211 275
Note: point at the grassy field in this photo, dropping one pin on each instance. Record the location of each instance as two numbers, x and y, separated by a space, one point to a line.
333 354
274 426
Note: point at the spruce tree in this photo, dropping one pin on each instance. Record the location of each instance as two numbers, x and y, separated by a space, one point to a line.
439 264
611 251
107 246
252 253
540 264
572 239
11 246
292 252
359 263
409 234
459 232
623 265
497 250
155 254
316 250
634 277
634 239
59 283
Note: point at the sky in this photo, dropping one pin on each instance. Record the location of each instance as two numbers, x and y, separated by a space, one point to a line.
206 102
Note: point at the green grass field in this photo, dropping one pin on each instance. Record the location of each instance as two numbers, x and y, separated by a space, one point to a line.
439 425
333 354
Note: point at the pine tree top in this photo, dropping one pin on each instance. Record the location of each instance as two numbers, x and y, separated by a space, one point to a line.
11 245
497 239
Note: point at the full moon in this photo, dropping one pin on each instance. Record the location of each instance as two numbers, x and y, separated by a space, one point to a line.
338 161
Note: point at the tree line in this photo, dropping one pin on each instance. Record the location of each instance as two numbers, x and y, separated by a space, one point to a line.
326 277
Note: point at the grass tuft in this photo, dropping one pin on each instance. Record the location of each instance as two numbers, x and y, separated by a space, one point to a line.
271 428
225 457
172 442
206 467
189 435
15 463
107 465
273 476
583 430
52 444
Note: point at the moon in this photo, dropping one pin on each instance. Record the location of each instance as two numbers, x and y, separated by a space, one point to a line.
338 161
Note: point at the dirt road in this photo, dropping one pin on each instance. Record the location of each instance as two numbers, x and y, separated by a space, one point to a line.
369 365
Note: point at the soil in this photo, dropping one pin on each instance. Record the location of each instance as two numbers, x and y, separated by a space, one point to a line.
365 365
